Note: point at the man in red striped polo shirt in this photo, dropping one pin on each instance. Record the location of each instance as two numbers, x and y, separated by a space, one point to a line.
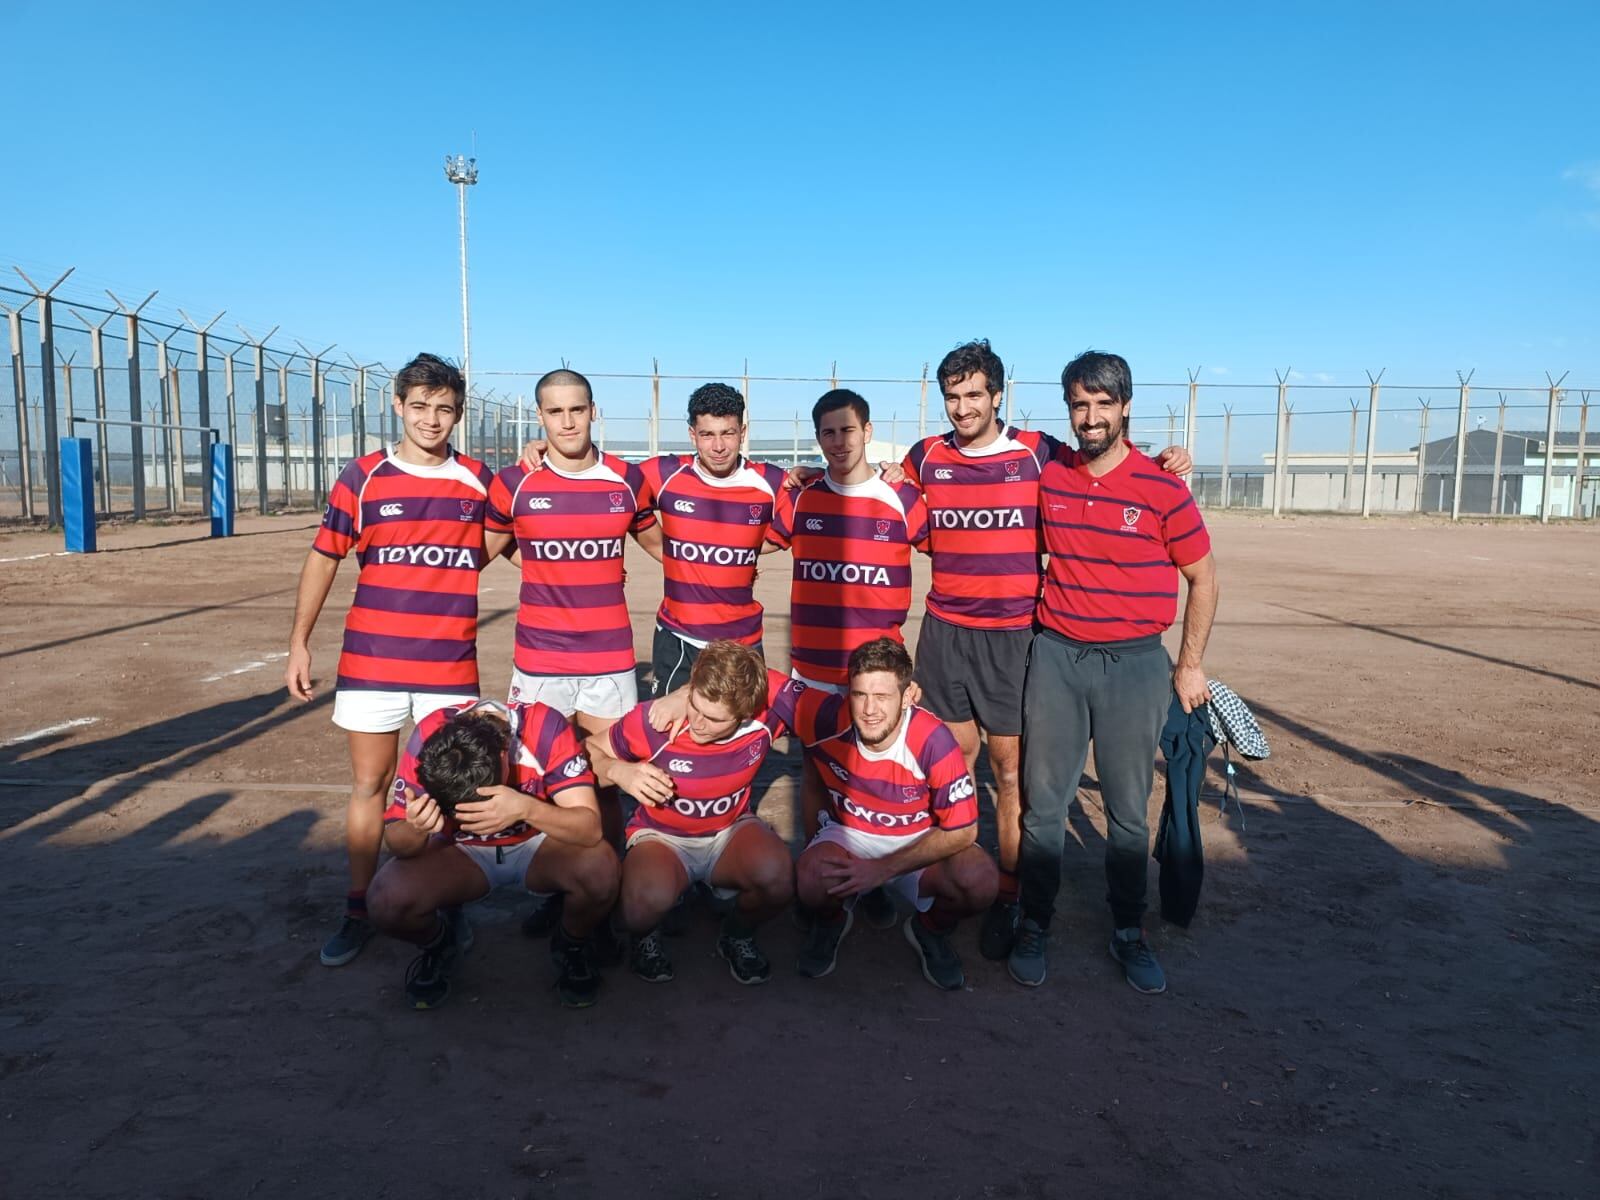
1119 532
413 514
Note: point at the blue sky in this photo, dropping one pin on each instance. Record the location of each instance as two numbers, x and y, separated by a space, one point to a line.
1239 188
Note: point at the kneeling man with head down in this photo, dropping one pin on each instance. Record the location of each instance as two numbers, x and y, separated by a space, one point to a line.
491 796
902 814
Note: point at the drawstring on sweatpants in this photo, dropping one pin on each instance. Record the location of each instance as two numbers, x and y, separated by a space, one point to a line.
1107 656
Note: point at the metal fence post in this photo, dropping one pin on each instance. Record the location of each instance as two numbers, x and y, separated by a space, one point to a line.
1372 439
97 364
164 439
795 460
233 421
202 351
19 384
135 400
1278 446
1583 437
922 406
1550 447
655 407
1227 443
1350 459
177 436
1461 441
1191 412
318 436
1499 444
47 390
749 429
260 348
1422 455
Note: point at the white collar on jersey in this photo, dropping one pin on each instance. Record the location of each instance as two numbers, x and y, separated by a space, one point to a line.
450 468
600 470
743 475
1002 443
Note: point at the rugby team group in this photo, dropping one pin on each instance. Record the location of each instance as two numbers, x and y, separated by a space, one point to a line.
1054 574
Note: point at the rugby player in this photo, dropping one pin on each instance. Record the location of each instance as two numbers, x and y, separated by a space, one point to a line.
980 481
490 796
1119 532
714 507
851 535
413 513
693 782
902 813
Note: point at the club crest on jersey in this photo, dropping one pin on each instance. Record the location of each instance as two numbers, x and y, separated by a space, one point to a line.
910 793
576 767
755 514
616 502
1130 519
756 751
469 509
516 693
883 532
1013 470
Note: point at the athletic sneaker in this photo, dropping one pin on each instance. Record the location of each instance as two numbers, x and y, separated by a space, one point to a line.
1026 961
745 961
605 946
878 909
649 961
428 976
354 933
821 951
577 982
1139 965
999 930
542 921
941 965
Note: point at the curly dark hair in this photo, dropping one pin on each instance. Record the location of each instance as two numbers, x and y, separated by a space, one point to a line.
968 358
716 400
882 654
430 373
461 756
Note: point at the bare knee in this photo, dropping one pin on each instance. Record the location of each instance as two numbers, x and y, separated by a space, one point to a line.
391 905
811 884
972 878
595 875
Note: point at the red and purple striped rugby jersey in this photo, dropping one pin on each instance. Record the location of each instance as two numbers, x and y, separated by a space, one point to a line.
546 759
573 616
916 783
983 510
852 548
1115 543
418 534
712 781
712 532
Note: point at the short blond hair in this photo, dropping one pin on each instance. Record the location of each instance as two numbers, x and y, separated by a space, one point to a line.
731 674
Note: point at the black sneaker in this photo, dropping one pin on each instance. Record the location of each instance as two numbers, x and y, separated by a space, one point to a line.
878 909
941 965
542 921
1139 965
605 946
745 961
649 959
821 951
577 982
428 976
1026 963
999 930
353 935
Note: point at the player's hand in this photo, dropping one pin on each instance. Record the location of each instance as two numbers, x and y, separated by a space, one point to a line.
297 673
1175 460
670 711
645 782
533 454
423 814
798 476
500 808
891 472
1190 684
853 876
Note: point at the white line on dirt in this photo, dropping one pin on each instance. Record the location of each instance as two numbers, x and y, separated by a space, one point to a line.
31 557
48 730
249 666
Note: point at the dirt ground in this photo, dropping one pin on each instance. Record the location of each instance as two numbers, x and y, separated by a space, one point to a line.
1393 984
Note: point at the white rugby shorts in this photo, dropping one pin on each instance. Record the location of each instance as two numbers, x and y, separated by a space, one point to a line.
876 845
598 695
699 855
361 711
505 866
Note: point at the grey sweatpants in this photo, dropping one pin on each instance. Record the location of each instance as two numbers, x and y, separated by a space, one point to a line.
1114 694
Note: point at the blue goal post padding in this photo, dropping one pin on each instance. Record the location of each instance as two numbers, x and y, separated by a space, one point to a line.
222 505
77 495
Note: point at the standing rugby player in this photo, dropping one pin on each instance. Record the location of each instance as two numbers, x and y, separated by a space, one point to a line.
413 513
980 482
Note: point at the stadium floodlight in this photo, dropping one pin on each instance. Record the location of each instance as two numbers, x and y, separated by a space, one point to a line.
463 172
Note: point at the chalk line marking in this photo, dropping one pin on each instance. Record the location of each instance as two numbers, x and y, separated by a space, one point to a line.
254 665
31 557
48 730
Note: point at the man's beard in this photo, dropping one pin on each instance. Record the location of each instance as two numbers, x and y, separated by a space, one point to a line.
1091 452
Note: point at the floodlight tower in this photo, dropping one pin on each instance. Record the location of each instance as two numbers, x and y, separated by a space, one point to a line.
463 171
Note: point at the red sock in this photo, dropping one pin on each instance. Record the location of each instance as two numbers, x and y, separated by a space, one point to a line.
1008 886
934 924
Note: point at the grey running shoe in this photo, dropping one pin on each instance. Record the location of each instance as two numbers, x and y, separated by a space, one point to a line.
542 921
428 976
821 951
878 909
745 961
1139 965
999 930
941 965
1026 961
649 960
354 933
577 982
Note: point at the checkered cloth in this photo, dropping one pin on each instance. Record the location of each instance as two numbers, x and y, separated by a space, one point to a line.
1233 724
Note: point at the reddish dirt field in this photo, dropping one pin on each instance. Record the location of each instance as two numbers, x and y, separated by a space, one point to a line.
1393 984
